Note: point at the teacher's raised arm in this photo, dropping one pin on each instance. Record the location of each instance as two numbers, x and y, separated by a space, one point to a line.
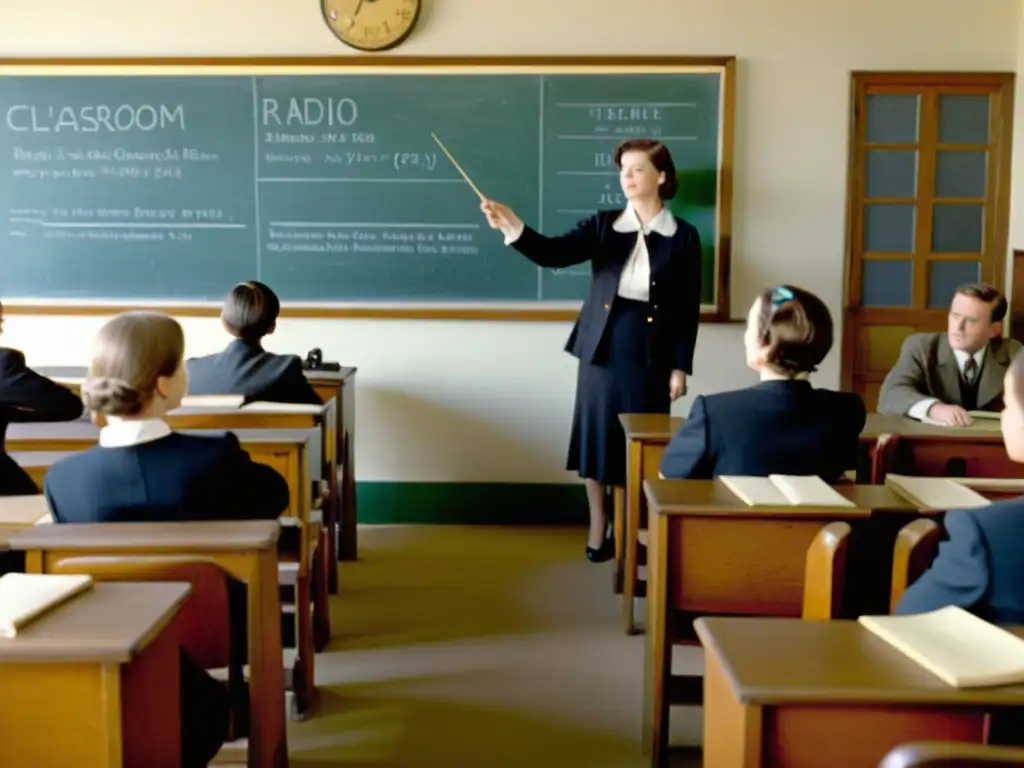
637 329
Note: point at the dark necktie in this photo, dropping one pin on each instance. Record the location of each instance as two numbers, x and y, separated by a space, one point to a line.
970 370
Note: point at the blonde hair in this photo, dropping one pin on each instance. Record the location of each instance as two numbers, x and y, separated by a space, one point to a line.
130 354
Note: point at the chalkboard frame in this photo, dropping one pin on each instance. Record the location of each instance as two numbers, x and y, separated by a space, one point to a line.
718 312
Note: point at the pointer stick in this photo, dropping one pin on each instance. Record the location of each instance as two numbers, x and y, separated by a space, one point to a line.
459 169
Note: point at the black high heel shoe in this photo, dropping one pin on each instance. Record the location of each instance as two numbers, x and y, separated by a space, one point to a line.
605 552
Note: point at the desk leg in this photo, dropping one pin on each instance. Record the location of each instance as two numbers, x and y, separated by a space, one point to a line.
348 546
732 730
619 531
634 490
268 741
657 646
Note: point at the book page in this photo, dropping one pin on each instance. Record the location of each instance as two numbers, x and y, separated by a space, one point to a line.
212 401
941 493
955 645
263 407
25 596
809 491
755 491
984 414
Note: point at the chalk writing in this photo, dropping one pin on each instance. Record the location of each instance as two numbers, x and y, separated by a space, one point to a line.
30 118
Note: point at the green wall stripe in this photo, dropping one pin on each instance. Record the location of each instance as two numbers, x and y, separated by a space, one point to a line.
472 503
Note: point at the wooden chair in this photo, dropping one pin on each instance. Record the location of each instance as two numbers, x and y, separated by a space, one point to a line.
208 635
948 754
824 573
917 543
969 456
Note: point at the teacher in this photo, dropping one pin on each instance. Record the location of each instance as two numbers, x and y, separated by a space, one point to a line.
636 332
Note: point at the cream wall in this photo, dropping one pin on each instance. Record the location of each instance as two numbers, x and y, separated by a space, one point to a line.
501 393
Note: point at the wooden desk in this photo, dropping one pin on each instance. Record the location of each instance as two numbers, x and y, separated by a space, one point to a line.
785 692
94 682
647 434
246 549
19 512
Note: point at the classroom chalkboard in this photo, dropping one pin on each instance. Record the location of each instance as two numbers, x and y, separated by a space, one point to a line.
169 182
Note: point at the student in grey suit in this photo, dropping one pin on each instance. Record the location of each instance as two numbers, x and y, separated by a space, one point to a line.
942 376
245 368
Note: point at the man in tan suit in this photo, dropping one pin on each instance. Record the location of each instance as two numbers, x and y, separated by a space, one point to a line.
942 376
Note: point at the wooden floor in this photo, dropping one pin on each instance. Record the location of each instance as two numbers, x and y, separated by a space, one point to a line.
486 646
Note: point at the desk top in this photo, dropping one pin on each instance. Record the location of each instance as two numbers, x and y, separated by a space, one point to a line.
659 427
219 536
108 623
700 498
73 374
22 511
86 430
790 661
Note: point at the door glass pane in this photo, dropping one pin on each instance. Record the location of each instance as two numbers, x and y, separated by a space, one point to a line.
963 119
891 173
957 228
960 173
945 276
888 283
889 228
892 117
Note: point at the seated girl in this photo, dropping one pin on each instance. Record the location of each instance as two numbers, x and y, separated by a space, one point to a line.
27 396
142 471
782 425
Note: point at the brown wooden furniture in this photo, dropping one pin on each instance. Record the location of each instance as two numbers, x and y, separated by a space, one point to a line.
974 452
802 694
709 553
950 754
917 543
94 682
247 550
825 573
18 512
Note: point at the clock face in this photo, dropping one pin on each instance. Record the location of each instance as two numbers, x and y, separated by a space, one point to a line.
371 25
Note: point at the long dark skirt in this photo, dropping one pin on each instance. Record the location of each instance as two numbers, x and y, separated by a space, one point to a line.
622 380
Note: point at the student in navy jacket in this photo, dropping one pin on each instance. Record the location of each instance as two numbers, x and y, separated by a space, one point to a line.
27 396
245 368
782 425
980 565
636 332
142 471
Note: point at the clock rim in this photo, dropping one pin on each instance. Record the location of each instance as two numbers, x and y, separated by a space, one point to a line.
364 49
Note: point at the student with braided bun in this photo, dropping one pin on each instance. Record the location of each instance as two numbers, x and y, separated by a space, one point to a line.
782 425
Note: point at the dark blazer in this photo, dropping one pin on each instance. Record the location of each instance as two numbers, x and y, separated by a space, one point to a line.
927 368
172 479
980 567
784 427
675 283
246 369
27 396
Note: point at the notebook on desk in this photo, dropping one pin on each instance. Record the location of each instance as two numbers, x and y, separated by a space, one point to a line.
26 596
955 645
225 402
784 491
941 493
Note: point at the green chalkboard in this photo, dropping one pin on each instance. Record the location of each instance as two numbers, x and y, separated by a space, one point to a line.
169 183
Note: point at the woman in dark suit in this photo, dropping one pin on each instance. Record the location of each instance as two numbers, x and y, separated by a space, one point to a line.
637 329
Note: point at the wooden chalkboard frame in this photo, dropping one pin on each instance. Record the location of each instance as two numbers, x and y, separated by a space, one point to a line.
544 311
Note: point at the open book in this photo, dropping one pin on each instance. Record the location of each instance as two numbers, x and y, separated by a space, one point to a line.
25 596
213 401
984 415
955 645
785 491
941 493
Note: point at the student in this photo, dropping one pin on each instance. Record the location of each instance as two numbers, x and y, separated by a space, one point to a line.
244 368
27 396
142 471
942 376
782 425
980 567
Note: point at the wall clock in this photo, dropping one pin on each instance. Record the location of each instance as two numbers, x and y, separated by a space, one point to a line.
371 25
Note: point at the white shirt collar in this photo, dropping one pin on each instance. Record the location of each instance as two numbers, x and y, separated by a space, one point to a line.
664 223
961 358
123 433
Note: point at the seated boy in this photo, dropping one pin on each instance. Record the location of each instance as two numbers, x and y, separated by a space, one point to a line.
245 368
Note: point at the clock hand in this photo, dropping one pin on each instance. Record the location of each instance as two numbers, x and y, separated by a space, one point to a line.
358 8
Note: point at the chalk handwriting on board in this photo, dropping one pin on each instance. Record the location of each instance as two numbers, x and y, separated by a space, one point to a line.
32 118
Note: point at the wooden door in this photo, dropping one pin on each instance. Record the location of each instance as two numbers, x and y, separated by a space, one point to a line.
928 195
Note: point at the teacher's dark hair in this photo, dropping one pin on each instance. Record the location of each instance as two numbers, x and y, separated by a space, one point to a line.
660 157
250 311
796 326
